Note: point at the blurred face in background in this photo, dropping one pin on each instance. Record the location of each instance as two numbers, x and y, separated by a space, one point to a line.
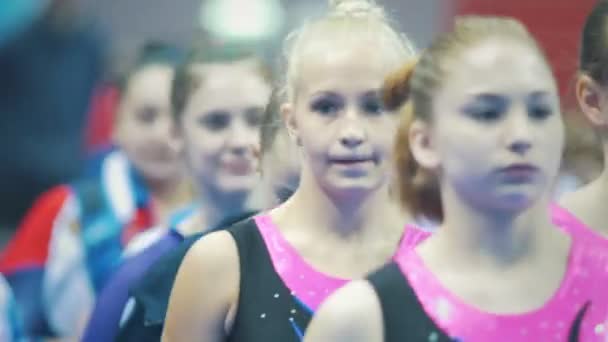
220 127
143 123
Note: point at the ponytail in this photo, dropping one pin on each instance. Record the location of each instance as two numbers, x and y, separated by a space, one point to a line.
418 188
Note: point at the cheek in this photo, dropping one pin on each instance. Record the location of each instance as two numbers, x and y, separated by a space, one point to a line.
315 142
312 129
202 149
146 135
463 151
204 142
384 137
550 147
135 142
456 137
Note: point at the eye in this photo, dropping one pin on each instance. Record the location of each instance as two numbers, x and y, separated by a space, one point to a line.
487 108
371 105
215 121
486 114
147 115
327 105
540 111
539 105
253 116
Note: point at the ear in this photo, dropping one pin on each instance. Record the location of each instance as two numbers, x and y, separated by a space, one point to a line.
422 145
288 115
592 100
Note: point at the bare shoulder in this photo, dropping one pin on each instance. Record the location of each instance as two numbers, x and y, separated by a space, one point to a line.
213 264
206 290
215 252
351 314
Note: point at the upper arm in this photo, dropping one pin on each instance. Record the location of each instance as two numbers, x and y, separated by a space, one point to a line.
352 314
205 290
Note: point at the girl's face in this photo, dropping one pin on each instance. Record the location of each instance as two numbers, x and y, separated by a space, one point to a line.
337 117
144 124
220 127
496 135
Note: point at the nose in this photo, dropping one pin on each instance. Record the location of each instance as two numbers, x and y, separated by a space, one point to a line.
243 138
519 133
352 136
352 133
163 127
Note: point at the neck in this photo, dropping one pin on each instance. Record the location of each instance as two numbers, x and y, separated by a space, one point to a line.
216 207
473 235
263 195
588 203
168 195
165 189
603 178
346 215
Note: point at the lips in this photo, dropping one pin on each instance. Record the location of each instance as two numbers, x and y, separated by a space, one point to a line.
238 167
519 172
353 160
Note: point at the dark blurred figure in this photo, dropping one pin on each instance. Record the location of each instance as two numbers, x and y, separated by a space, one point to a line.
50 63
72 239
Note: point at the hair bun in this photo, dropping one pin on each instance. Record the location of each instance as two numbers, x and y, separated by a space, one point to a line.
355 8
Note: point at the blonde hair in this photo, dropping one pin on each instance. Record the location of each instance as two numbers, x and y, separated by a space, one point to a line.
412 88
348 17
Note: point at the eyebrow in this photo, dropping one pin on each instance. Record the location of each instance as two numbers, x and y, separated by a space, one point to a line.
371 93
489 97
253 110
324 93
215 112
492 97
538 95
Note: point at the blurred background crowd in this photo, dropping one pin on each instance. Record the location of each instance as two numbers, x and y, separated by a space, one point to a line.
60 61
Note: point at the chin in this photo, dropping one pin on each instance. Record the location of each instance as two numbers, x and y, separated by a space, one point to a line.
236 185
352 187
158 172
515 201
